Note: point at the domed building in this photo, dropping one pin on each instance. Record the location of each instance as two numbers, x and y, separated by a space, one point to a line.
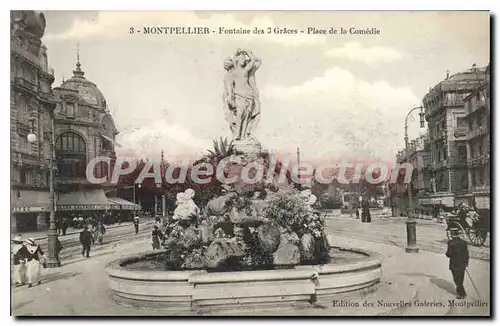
84 129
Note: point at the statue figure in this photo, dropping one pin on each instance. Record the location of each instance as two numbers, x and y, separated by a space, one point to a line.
241 96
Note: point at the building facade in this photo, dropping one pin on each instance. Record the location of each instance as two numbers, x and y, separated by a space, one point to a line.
418 155
447 126
478 148
84 129
31 109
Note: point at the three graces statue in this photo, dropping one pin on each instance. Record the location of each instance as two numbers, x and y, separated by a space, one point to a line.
241 96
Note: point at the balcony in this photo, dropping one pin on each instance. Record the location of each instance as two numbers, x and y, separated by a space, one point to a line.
479 160
22 158
23 127
107 153
25 84
477 132
460 132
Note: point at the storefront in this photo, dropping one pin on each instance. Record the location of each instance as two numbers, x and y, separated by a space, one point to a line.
29 211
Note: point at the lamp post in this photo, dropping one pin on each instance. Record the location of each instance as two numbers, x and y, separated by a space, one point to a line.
411 223
52 235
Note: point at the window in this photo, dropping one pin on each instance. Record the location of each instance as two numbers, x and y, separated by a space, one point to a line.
70 110
437 128
480 149
445 155
71 153
473 178
481 176
23 144
21 110
71 141
443 124
479 122
462 153
25 177
461 122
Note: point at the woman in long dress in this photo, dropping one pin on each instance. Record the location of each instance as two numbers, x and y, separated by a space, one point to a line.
20 256
34 262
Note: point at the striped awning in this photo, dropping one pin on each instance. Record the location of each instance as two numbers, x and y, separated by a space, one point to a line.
83 200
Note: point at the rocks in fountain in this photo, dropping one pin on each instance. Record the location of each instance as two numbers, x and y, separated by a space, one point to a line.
269 237
190 238
194 260
220 205
222 249
307 247
288 252
246 216
206 230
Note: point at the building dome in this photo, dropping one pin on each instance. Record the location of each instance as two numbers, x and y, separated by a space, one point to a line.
86 89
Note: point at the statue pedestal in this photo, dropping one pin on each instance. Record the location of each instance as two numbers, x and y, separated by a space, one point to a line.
247 146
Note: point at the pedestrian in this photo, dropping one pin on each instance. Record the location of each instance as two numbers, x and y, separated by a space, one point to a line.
357 213
34 262
20 257
157 237
86 240
58 226
365 215
80 221
59 247
458 253
65 226
136 224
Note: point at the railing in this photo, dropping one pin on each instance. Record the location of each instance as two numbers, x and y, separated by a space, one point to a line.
478 160
461 132
26 84
107 152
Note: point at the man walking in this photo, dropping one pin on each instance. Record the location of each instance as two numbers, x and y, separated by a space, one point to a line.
136 224
458 253
86 241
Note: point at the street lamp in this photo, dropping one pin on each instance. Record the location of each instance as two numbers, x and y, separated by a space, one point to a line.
411 224
52 234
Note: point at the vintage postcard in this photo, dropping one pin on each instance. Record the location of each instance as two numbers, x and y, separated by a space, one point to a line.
250 163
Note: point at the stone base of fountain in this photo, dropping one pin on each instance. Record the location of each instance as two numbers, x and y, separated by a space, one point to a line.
201 290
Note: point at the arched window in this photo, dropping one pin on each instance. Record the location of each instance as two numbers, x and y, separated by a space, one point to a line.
71 142
71 154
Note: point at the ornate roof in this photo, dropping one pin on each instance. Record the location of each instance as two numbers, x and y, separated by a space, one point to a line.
87 90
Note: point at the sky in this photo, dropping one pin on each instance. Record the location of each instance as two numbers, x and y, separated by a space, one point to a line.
333 96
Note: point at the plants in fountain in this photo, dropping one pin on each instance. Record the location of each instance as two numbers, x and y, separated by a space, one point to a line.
245 229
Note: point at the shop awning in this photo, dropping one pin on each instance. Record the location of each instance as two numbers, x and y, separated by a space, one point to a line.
123 204
29 201
83 200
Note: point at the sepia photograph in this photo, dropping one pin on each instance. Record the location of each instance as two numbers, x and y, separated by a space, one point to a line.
250 163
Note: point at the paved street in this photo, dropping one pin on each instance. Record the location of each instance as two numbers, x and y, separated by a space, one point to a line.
80 287
431 236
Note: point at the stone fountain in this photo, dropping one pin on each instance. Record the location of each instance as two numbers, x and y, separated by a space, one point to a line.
255 245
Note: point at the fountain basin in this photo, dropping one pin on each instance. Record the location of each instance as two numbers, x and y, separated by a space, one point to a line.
203 290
